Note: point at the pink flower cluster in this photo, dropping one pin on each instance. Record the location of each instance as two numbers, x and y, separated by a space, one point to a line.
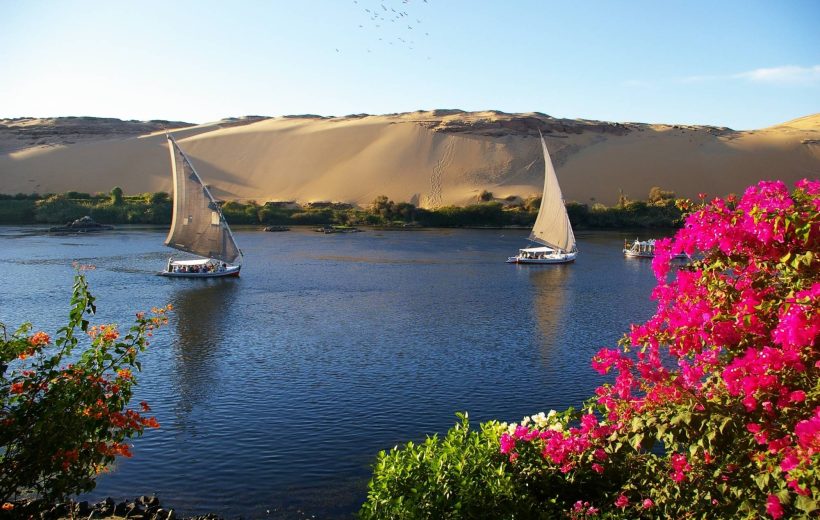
680 467
583 509
565 449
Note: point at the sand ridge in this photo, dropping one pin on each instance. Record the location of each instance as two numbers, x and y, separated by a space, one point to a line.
430 158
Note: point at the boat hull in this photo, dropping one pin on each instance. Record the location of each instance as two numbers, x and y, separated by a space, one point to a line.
232 271
555 259
632 254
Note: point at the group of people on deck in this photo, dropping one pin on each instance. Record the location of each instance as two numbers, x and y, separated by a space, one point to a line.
201 269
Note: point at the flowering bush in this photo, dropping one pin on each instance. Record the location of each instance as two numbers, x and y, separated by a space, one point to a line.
63 409
714 405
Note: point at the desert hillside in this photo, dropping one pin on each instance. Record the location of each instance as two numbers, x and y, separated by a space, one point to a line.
429 158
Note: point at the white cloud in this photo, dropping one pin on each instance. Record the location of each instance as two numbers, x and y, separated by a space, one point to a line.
785 75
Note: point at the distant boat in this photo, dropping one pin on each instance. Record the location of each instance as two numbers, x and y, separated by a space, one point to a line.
552 228
639 249
198 226
644 249
82 225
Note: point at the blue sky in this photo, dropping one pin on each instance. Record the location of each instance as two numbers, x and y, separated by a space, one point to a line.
744 64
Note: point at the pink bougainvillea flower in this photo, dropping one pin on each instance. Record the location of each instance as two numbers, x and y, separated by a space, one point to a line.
773 507
507 443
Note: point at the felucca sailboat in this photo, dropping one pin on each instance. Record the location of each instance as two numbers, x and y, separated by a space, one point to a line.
552 228
198 225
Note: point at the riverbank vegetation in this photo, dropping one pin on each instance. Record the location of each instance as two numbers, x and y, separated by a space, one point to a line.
658 210
105 208
712 409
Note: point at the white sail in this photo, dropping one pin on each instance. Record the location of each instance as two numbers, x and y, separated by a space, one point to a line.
197 224
552 227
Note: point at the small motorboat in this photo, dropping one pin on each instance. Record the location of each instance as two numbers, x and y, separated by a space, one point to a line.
645 249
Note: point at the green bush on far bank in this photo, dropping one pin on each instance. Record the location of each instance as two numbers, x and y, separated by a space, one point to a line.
146 208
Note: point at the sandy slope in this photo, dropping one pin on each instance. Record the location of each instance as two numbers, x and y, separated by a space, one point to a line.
429 158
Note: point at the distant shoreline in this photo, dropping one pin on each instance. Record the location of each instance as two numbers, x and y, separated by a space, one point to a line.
487 212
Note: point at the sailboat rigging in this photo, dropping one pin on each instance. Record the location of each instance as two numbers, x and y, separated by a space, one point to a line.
552 228
198 225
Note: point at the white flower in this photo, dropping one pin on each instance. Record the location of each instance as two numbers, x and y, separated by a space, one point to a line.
540 420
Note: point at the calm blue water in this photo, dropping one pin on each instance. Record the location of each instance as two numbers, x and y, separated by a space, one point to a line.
276 390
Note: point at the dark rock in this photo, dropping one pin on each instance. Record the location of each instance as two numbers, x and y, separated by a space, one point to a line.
121 508
105 507
82 508
58 511
81 225
163 514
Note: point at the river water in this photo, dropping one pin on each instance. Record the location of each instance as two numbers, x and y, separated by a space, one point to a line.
276 390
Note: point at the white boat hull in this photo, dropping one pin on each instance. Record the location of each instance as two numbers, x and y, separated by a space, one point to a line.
557 258
632 254
229 271
650 255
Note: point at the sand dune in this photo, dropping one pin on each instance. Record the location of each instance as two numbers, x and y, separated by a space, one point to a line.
429 158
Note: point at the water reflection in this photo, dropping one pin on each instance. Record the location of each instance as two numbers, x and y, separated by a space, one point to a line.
548 301
200 319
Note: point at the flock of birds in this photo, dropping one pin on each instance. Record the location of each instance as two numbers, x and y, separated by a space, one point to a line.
393 22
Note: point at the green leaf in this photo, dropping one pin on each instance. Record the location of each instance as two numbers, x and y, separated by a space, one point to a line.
806 504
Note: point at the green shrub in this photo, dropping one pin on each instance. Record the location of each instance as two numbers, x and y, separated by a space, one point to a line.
461 475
